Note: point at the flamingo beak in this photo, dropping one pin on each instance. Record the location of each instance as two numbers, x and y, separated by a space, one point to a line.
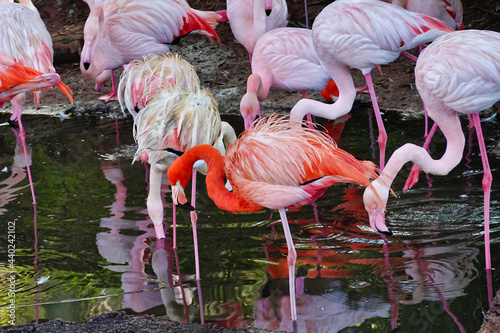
377 222
248 121
179 197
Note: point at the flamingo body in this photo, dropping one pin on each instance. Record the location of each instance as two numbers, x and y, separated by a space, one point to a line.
457 73
283 59
248 19
119 31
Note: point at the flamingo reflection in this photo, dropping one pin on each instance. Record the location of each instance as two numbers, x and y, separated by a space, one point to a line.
413 271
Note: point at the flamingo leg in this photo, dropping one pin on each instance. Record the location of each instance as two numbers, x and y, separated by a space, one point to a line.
113 95
382 134
174 227
487 180
194 220
291 258
415 170
22 135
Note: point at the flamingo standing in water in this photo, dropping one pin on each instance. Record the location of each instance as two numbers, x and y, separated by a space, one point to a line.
119 31
275 165
249 21
25 62
173 120
457 73
363 34
283 59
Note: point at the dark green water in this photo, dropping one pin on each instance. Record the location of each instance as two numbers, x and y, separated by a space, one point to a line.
97 245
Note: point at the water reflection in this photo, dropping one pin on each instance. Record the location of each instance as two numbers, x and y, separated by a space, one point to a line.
97 243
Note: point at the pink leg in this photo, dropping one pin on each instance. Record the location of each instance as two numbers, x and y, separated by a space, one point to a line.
113 95
471 121
174 227
194 219
291 258
409 56
487 180
22 135
415 170
382 134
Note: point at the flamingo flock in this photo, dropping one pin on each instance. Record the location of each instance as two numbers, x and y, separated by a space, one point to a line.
278 162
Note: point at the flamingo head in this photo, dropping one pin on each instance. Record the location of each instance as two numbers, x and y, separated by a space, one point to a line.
179 197
375 206
249 107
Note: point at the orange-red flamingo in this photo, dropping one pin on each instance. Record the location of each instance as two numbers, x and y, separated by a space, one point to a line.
275 164
26 62
283 59
363 34
457 73
119 31
249 21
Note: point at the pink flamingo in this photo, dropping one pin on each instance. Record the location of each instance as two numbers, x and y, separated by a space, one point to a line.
26 62
275 165
283 59
344 40
457 73
119 31
248 19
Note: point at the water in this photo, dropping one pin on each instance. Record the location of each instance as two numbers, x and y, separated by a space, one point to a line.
94 246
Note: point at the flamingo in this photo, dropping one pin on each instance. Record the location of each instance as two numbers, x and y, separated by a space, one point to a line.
457 73
284 59
174 120
275 165
25 62
343 39
140 79
248 19
119 31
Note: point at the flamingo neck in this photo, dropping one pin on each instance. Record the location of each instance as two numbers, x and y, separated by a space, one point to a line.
347 94
256 86
215 181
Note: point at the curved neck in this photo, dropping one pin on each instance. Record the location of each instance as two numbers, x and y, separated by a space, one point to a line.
256 86
214 180
347 94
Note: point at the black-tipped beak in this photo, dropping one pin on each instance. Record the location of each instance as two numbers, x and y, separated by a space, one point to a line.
86 65
387 233
268 12
187 206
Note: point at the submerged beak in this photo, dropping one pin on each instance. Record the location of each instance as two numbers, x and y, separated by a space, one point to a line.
179 197
377 222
